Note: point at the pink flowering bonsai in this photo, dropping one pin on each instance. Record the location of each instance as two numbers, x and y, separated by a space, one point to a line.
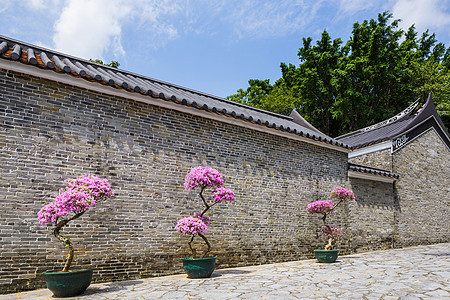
71 203
197 224
325 207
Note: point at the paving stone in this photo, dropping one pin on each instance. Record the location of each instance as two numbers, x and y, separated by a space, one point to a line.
438 294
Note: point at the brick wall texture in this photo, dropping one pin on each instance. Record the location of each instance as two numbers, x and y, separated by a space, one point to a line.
52 131
381 159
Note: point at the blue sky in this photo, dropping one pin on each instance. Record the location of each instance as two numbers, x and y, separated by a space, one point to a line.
210 46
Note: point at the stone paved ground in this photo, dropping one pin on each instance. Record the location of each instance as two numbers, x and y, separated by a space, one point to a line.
413 273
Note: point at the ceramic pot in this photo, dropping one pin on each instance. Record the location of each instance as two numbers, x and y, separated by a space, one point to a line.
326 256
68 284
199 267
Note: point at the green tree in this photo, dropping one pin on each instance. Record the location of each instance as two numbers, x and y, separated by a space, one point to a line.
316 80
113 63
255 95
435 78
341 87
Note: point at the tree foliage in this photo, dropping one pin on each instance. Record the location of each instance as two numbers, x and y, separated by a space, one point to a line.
341 87
113 63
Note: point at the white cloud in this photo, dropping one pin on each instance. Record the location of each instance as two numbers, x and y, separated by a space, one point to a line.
86 28
157 10
89 29
425 14
155 17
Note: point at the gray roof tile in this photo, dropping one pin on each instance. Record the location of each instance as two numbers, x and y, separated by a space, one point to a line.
117 78
371 170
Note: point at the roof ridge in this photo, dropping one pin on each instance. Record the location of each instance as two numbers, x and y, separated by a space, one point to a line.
398 117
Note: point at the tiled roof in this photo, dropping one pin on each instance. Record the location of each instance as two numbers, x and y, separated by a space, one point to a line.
396 126
371 170
119 79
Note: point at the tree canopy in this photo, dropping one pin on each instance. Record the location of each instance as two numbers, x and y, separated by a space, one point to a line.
341 87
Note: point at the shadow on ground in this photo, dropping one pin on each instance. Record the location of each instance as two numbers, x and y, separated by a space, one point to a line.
438 254
110 287
220 273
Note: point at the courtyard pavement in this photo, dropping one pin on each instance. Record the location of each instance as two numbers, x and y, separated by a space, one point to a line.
411 273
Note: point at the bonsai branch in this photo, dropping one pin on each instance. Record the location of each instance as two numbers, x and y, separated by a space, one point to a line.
70 256
336 205
326 207
207 206
197 224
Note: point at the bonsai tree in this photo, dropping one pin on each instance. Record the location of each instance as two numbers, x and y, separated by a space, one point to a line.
71 203
197 224
325 207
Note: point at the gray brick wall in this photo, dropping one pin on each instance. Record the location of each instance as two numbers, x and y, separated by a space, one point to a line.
52 131
373 215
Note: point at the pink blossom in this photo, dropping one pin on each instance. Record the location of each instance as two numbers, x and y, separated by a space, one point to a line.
221 193
342 193
80 194
192 225
203 177
320 207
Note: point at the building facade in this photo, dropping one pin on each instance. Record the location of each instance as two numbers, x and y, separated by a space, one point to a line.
415 146
63 117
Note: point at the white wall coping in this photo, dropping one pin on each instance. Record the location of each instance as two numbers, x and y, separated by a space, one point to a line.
370 149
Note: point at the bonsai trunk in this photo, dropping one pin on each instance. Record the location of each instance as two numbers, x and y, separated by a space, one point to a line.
65 239
194 252
207 207
330 239
207 243
328 246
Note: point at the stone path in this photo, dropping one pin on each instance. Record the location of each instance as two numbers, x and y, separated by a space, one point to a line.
412 273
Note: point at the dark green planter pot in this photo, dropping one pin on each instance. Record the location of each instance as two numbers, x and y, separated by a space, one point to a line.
326 256
199 267
68 284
